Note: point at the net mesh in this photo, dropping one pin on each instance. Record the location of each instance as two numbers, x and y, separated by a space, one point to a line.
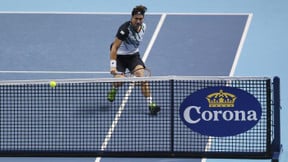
75 116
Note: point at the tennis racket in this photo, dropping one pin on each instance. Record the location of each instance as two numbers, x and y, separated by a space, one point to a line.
147 73
130 74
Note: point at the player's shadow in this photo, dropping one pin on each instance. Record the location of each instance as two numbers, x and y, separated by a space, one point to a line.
92 108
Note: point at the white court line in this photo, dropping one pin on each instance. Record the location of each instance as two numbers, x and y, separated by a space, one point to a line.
117 117
54 72
241 44
237 56
155 34
129 91
120 13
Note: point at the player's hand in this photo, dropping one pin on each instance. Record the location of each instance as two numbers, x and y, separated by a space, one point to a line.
113 70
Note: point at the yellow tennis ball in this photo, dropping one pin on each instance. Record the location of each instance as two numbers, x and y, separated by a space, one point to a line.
53 84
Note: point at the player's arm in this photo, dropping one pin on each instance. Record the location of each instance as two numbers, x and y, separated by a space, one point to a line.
113 55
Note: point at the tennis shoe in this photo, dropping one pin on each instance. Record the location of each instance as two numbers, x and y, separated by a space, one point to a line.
153 108
112 94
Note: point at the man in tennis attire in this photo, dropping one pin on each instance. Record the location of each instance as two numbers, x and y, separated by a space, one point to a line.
124 54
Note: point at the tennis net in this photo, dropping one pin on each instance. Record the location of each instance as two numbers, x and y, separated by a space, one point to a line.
76 119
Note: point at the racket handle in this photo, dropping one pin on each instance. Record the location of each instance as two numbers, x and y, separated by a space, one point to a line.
119 73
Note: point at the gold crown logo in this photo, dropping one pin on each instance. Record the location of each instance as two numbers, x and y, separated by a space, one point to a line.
221 99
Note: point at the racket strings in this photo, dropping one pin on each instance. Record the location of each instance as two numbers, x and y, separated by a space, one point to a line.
146 73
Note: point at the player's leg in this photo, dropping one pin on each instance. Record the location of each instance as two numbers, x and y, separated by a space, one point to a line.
113 91
138 71
115 85
153 107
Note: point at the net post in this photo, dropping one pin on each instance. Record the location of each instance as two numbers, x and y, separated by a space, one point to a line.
276 143
172 116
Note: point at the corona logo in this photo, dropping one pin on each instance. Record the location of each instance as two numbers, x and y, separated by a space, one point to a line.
220 111
221 99
218 115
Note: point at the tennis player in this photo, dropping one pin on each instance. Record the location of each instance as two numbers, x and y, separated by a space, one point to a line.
124 54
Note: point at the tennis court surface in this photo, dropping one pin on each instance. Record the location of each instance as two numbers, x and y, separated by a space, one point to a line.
75 119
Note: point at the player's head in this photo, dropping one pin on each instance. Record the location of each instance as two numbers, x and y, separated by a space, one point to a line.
139 10
137 15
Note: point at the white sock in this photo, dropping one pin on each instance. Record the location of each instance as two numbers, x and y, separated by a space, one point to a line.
149 100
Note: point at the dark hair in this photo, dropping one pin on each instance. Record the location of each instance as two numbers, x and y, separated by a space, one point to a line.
139 10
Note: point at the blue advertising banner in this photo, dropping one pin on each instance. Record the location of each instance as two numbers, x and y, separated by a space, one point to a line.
220 111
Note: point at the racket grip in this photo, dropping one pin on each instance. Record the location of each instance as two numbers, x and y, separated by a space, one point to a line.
119 73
